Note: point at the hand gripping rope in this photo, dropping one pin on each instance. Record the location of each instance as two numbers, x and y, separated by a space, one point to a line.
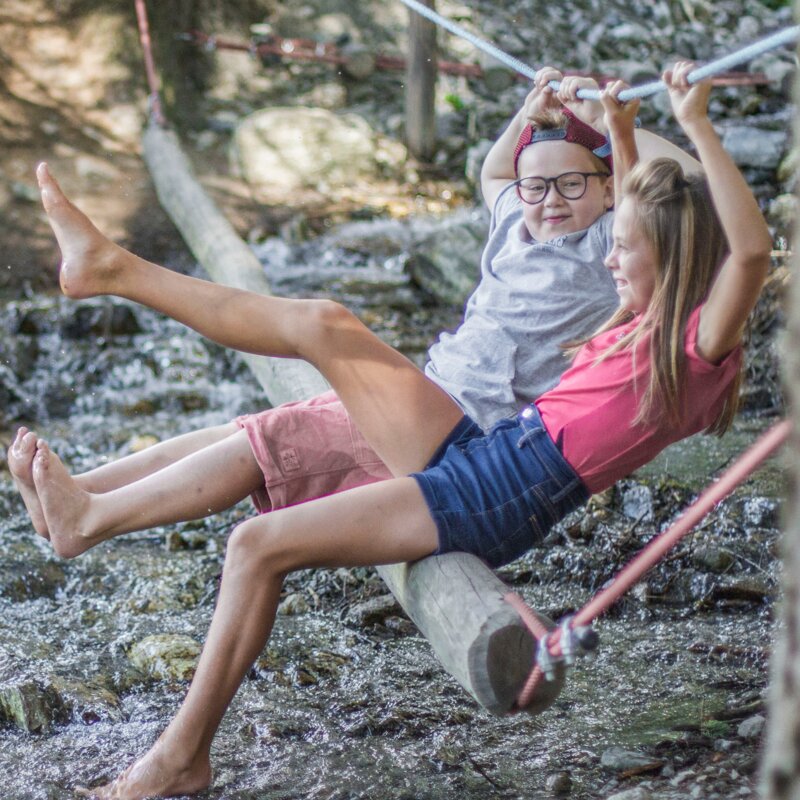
574 635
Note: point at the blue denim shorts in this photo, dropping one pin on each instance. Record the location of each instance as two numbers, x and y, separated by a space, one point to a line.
496 495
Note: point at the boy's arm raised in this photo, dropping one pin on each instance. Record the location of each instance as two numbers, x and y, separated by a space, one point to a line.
498 167
741 276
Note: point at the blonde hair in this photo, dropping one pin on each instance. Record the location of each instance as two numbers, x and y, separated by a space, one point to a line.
677 217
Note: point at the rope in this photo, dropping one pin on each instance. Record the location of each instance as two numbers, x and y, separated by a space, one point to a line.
744 466
149 63
786 36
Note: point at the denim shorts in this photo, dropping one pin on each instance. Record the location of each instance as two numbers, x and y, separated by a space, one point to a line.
497 494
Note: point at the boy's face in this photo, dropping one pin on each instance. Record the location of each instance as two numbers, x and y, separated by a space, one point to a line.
555 215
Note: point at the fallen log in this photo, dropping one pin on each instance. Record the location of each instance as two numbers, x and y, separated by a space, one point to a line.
455 600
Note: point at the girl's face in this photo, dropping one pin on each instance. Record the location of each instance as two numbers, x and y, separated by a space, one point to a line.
631 260
555 215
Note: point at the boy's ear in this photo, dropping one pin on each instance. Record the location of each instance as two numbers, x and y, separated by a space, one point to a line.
608 193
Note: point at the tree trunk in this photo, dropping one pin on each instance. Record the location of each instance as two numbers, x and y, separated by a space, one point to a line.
781 760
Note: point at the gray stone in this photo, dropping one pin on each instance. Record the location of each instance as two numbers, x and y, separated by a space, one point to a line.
637 503
713 559
619 759
751 727
755 147
445 260
31 706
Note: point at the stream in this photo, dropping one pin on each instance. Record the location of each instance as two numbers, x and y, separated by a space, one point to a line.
348 701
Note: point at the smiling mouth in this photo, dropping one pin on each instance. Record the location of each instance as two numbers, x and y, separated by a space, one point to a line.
555 219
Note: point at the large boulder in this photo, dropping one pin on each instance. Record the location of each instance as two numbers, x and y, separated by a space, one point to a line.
310 148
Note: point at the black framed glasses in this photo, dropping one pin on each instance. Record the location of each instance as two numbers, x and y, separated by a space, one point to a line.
570 185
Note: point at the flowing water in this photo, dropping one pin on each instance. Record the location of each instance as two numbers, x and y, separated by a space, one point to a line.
341 704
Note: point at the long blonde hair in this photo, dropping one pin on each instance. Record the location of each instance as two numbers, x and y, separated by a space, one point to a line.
677 217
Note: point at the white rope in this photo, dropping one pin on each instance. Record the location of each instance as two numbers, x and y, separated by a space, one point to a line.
786 36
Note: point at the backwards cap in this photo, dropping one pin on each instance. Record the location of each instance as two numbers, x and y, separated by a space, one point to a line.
575 131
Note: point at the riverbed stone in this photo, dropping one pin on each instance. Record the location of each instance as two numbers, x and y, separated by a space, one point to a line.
752 727
636 793
88 702
31 705
166 656
618 759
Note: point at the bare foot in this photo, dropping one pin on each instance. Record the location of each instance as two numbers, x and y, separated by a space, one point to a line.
20 463
87 256
154 775
65 505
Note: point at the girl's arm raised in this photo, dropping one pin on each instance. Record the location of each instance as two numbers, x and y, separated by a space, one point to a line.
741 276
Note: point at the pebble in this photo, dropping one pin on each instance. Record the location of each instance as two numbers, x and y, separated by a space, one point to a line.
751 727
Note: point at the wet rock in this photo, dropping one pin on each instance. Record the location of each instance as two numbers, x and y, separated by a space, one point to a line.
293 604
166 656
31 706
99 320
752 727
637 793
618 759
87 702
761 512
373 611
637 503
559 783
713 559
26 579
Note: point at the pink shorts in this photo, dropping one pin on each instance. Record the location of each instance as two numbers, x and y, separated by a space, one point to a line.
309 449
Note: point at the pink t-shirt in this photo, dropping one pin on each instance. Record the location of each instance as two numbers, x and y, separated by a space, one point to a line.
589 412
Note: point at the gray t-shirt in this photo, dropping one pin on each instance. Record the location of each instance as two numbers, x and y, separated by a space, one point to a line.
532 297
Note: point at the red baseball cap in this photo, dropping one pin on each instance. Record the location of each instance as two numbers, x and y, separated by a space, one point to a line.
575 131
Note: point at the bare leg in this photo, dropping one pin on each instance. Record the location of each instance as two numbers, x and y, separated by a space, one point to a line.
108 476
202 483
403 415
380 523
20 463
132 467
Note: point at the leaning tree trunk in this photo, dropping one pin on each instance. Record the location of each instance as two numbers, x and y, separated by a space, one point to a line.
781 761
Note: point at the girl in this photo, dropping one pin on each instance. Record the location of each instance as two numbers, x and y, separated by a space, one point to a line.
664 367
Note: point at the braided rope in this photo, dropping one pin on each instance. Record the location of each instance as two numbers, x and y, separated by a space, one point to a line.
786 36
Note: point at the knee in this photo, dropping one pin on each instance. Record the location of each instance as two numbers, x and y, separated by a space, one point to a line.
325 322
253 546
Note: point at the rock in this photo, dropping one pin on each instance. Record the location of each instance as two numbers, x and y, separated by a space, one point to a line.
87 702
293 604
637 503
761 512
637 793
559 783
373 611
445 261
304 147
752 727
755 147
619 759
166 656
713 559
31 706
26 578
